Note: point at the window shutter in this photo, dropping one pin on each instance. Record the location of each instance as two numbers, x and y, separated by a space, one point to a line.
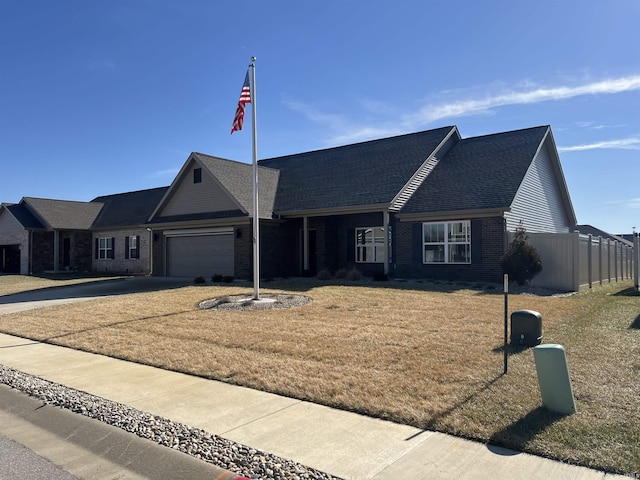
351 244
97 247
417 242
476 241
113 248
126 248
137 246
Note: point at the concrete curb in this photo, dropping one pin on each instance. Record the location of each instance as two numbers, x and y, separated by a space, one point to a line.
88 448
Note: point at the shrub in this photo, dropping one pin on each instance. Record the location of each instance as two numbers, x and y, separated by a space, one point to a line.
354 275
324 275
199 280
380 277
228 279
217 278
521 261
342 273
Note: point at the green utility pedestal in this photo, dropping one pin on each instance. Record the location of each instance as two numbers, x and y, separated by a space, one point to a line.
553 378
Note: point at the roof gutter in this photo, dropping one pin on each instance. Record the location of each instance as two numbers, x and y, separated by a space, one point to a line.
452 215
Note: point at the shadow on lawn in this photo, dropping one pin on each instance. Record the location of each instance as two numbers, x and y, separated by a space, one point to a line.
520 433
635 323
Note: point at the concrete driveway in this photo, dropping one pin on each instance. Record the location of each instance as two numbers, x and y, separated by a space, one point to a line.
47 297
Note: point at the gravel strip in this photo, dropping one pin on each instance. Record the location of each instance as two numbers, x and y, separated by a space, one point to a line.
225 454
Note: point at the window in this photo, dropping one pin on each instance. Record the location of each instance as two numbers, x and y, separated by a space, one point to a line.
447 242
131 247
105 248
197 175
370 245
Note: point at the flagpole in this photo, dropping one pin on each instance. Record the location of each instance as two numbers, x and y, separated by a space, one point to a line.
256 214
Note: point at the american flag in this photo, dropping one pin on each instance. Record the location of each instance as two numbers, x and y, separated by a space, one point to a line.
245 97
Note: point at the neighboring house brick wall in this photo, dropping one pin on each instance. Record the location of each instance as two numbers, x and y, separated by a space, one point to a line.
81 249
120 264
485 264
42 252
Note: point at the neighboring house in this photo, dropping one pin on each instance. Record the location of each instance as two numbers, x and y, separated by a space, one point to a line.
596 232
423 205
38 235
120 237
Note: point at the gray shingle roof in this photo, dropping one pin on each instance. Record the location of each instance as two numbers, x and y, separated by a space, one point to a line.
237 178
63 214
22 215
478 173
368 173
128 209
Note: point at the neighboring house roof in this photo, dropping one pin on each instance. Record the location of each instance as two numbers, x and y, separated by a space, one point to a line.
127 209
364 174
478 173
62 214
596 232
22 215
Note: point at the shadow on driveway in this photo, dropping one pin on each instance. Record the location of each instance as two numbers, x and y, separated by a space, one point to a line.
99 288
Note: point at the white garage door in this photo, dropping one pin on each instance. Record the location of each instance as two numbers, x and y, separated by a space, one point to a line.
200 255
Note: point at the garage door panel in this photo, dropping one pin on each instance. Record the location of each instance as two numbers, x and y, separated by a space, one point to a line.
200 255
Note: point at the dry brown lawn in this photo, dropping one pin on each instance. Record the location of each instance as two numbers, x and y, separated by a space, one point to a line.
428 355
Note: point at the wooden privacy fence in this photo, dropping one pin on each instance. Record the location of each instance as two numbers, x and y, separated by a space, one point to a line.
571 261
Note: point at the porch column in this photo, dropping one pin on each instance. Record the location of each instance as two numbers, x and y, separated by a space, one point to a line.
56 251
305 244
387 241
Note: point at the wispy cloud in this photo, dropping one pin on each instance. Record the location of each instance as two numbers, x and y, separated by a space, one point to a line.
629 202
632 143
102 65
168 173
524 93
472 106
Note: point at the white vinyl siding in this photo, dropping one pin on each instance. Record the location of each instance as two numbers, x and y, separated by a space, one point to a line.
205 196
538 203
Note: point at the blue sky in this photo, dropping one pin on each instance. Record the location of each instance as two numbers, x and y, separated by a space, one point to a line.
107 97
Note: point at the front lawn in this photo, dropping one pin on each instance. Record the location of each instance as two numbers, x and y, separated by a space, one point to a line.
424 354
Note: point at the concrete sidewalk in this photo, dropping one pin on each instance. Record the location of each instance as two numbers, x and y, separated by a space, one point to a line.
340 443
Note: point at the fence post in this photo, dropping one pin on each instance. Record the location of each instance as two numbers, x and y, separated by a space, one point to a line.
600 260
636 257
590 258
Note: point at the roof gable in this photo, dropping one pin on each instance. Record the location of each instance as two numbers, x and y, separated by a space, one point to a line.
363 174
14 212
479 173
225 189
62 214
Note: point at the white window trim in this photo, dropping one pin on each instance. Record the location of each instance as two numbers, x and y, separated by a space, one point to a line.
133 250
447 243
105 248
377 247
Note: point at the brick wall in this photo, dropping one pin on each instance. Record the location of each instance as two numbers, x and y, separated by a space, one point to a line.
485 265
120 264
